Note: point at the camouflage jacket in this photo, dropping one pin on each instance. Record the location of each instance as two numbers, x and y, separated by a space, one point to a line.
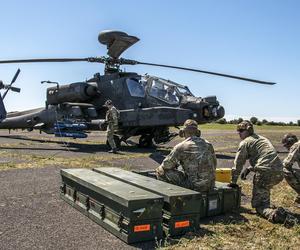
261 154
293 156
112 116
197 158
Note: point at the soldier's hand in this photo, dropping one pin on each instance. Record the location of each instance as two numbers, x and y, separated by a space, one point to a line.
244 173
159 171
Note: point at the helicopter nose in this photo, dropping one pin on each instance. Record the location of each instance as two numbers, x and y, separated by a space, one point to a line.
213 112
218 112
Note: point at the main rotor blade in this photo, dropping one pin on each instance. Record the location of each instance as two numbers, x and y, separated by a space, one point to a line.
15 77
45 60
208 72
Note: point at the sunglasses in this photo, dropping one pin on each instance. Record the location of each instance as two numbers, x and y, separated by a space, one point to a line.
241 130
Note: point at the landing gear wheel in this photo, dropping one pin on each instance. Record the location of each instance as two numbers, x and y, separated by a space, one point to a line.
117 142
145 141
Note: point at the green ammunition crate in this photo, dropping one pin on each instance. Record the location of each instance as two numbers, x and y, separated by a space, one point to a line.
221 200
231 197
181 205
211 203
131 213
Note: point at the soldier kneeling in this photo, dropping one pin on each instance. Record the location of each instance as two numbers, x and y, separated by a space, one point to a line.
268 171
195 156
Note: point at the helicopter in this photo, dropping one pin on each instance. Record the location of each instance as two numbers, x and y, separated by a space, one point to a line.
148 104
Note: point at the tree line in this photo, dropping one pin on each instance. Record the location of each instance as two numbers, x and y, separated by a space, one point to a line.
258 122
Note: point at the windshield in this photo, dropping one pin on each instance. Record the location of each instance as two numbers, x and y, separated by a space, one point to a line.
135 87
183 91
165 92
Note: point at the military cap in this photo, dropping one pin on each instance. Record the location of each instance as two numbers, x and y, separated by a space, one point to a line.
245 125
289 139
190 125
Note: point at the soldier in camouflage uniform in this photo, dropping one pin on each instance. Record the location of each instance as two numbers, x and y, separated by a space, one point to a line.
195 156
292 175
111 118
267 168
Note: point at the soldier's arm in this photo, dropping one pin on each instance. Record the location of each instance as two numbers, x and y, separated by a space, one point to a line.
292 156
115 116
107 116
171 161
239 161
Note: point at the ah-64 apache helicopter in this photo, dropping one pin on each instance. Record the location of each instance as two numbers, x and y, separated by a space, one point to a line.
148 105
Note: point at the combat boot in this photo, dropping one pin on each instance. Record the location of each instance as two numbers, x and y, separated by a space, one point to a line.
282 216
113 151
278 216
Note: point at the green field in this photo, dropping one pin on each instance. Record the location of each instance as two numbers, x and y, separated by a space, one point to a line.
216 126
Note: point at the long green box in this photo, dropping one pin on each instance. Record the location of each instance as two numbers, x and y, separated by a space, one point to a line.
181 205
131 213
222 199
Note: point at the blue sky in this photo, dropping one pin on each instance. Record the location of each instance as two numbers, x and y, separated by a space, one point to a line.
256 39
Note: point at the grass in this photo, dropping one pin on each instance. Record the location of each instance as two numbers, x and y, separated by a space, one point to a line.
39 161
248 231
216 126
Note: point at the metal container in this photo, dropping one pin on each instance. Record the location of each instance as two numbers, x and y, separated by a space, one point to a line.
131 213
181 205
231 197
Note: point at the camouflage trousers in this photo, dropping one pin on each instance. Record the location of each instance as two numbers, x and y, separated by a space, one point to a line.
263 182
292 176
179 178
110 135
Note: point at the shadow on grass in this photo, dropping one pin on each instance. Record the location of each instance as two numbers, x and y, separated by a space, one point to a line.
168 241
226 219
80 147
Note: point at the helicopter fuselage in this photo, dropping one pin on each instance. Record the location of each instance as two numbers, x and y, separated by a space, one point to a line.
148 105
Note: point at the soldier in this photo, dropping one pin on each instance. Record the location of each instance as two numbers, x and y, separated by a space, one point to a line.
267 168
170 96
292 175
111 118
197 158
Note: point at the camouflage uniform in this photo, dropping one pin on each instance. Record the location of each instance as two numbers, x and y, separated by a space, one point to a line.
197 158
292 175
267 167
111 118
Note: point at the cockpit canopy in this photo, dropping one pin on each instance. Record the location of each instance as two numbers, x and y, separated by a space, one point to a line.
166 90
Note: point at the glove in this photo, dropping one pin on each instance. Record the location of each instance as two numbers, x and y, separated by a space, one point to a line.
233 185
159 171
244 173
